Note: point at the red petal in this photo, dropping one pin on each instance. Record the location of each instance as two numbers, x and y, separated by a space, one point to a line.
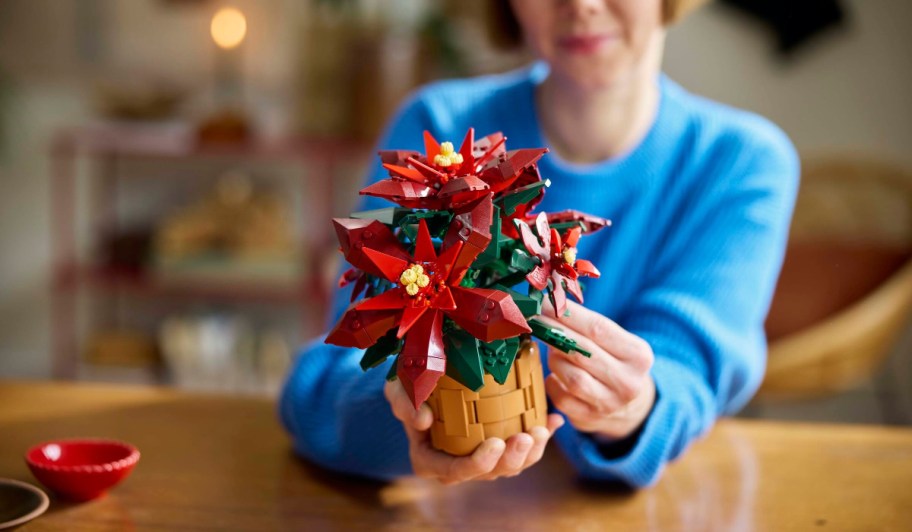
468 159
555 242
356 236
358 288
391 299
573 237
444 300
492 146
422 361
543 230
502 175
573 287
409 316
487 314
461 191
406 193
426 171
424 246
567 271
406 173
447 261
362 328
538 277
389 266
532 243
397 157
591 223
557 295
348 276
431 146
472 227
584 267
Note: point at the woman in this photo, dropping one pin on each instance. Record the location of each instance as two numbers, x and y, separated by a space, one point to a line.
700 195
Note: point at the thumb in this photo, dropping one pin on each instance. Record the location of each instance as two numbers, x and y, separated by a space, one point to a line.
420 419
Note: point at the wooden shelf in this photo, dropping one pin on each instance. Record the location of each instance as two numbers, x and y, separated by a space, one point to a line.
148 284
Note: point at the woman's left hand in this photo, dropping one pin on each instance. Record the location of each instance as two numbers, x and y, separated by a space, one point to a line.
609 394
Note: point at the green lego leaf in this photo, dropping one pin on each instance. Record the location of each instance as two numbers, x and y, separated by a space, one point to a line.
520 196
391 374
464 359
556 338
377 353
492 252
498 357
521 260
437 222
529 305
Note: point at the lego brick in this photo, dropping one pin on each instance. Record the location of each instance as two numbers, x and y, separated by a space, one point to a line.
377 353
453 413
529 305
487 314
457 445
490 409
464 358
503 429
523 368
556 338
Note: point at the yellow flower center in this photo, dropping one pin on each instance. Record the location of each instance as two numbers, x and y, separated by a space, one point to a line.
447 156
414 279
569 256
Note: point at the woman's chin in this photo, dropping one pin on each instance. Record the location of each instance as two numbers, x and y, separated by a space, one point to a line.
590 75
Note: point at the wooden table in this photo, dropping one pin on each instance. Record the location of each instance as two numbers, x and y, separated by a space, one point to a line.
212 462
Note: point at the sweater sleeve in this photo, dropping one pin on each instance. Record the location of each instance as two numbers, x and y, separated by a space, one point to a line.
702 310
335 412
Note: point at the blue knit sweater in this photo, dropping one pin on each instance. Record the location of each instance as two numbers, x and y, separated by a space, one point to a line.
701 209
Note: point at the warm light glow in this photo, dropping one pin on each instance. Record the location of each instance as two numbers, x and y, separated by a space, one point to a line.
229 26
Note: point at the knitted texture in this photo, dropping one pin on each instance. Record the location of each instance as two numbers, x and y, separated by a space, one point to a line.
700 212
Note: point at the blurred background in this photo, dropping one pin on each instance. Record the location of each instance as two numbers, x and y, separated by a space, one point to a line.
168 169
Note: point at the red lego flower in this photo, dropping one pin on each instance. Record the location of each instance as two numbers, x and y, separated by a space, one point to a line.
558 262
444 179
425 289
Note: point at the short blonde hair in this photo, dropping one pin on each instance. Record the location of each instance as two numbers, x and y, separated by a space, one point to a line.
675 10
505 33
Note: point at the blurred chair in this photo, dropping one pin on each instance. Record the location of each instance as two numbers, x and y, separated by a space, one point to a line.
846 289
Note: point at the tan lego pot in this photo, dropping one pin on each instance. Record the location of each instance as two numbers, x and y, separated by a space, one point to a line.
463 418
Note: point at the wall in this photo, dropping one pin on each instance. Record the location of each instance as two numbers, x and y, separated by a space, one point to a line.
849 91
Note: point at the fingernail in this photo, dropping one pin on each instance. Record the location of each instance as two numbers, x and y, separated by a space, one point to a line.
493 447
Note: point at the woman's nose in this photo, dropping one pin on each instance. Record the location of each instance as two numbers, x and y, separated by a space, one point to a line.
583 6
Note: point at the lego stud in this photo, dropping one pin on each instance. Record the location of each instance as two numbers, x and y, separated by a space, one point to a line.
569 256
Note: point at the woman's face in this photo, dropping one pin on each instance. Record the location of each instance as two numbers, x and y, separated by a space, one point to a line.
594 44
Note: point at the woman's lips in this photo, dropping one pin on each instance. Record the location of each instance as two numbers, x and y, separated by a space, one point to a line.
584 44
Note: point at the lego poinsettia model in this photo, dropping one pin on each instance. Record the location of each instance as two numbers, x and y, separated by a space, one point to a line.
438 274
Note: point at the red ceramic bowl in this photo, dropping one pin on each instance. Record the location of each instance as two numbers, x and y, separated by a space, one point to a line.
81 469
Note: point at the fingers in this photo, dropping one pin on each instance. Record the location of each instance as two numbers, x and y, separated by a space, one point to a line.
404 410
431 463
601 330
525 449
599 396
541 435
478 464
494 458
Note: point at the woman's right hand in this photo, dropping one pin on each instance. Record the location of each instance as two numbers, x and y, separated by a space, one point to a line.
493 459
